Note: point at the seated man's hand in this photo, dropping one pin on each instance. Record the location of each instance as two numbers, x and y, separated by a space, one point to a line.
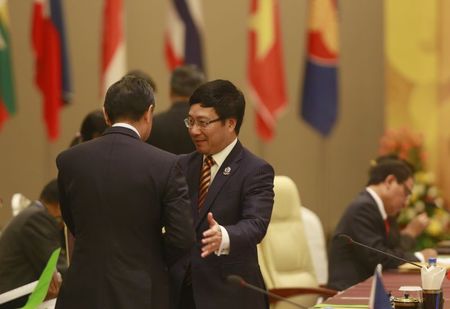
53 288
429 252
416 226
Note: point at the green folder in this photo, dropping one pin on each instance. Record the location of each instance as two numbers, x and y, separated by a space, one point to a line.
37 297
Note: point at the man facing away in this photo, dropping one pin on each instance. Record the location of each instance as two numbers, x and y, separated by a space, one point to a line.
231 193
117 193
370 219
168 132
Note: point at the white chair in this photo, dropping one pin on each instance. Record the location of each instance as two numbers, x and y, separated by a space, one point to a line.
316 243
284 255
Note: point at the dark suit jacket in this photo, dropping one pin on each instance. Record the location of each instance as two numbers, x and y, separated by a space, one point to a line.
116 193
241 202
350 264
169 131
26 244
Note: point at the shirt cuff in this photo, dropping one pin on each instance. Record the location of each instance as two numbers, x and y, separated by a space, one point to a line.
420 256
224 248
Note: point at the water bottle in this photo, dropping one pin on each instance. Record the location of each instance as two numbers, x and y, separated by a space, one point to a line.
432 262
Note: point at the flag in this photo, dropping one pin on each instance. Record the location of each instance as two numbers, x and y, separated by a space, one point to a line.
320 93
183 36
51 59
7 95
378 297
114 63
265 65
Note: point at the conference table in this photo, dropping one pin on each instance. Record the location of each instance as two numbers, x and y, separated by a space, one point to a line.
393 279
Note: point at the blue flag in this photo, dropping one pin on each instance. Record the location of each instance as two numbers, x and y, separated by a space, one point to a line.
378 297
320 88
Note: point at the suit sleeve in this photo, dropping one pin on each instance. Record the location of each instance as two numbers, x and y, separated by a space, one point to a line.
177 216
40 238
63 200
365 230
256 210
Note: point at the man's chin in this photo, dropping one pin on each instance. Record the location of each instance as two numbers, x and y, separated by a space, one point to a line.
200 147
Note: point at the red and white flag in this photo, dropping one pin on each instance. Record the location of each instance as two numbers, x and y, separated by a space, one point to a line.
52 64
265 65
113 49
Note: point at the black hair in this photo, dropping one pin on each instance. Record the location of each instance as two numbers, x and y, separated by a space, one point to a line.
226 99
142 74
128 98
50 193
93 125
185 79
389 165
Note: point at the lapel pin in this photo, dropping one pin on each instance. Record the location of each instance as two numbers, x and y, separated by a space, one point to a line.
227 171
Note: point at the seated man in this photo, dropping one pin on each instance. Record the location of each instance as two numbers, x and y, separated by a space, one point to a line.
370 219
29 239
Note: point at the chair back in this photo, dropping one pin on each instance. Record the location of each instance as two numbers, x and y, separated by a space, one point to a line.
316 243
284 255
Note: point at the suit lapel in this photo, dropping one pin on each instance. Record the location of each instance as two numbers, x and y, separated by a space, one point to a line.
224 174
193 178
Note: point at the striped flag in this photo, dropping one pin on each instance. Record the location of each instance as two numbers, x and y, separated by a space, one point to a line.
52 65
183 36
265 65
7 95
114 63
320 93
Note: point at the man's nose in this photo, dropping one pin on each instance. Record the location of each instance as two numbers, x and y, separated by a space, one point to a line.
194 130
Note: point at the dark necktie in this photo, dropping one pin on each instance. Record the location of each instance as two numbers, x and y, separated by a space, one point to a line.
205 179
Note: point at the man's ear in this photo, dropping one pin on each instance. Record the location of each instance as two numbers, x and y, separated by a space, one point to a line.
390 179
148 115
231 123
108 122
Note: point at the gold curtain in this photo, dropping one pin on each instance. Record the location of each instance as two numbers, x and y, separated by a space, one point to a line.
417 75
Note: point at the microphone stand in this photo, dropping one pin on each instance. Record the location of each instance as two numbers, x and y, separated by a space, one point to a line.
350 240
241 282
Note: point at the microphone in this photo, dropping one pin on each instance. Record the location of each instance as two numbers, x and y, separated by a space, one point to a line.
351 241
235 279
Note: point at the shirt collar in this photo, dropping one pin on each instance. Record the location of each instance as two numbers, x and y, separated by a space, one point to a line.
39 203
220 157
378 201
126 125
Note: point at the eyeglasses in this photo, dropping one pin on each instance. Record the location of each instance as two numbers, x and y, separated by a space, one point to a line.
407 190
190 122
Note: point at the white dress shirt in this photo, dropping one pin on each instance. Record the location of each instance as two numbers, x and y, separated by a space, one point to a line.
380 205
126 125
219 158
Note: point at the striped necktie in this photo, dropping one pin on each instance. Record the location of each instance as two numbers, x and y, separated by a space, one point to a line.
205 179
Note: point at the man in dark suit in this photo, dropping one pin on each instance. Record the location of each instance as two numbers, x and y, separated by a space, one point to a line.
231 206
117 193
29 239
27 243
370 219
168 132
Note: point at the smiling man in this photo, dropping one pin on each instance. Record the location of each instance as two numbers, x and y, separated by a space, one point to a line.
231 194
371 220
